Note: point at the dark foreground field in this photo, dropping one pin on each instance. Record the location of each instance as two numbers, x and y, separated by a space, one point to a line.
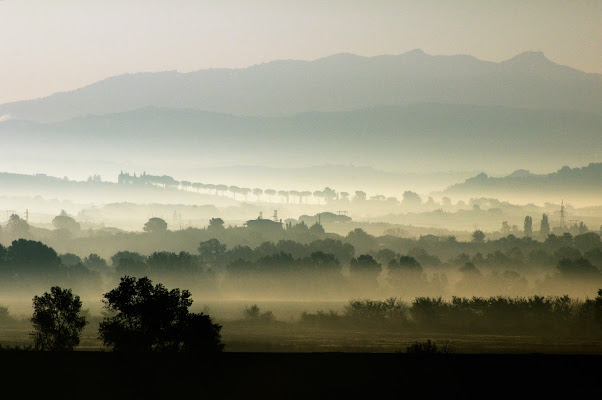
104 375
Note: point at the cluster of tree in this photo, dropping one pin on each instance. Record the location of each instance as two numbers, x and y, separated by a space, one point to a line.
140 317
544 228
535 315
19 228
28 260
326 196
397 264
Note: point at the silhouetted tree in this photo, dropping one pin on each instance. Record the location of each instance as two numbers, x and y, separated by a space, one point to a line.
359 196
317 229
185 184
329 194
63 221
56 320
245 192
365 269
70 259
144 317
155 225
29 256
221 188
505 228
284 194
544 227
216 225
212 253
361 240
129 263
528 226
478 236
579 268
411 199
96 263
304 194
270 193
211 186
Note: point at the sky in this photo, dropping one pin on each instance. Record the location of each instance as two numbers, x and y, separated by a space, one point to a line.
60 45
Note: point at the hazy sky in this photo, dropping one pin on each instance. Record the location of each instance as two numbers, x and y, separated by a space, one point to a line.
57 45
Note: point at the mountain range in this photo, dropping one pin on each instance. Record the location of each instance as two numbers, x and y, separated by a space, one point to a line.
412 113
341 82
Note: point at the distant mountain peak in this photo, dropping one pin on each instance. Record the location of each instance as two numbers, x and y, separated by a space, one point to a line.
520 173
530 57
417 52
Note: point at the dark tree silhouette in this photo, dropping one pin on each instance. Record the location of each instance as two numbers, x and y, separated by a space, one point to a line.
152 318
317 229
216 224
155 225
96 263
29 256
528 226
329 194
212 253
70 259
56 320
366 269
478 236
544 227
128 262
579 268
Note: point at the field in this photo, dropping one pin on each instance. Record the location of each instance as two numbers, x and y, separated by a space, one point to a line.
286 334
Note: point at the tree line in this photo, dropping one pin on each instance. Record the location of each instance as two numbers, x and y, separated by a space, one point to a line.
142 317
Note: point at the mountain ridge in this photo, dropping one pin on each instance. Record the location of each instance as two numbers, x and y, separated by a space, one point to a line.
340 82
566 182
418 137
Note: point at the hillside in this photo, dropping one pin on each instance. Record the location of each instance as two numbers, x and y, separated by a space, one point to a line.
579 185
417 138
341 82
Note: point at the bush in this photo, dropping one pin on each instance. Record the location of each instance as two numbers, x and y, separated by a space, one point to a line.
253 313
429 347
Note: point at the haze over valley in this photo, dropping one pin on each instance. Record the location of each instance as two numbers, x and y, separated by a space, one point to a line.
287 177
